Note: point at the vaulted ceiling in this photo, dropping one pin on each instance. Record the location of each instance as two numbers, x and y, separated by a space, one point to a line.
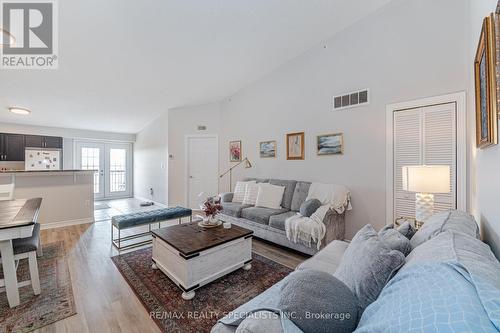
123 62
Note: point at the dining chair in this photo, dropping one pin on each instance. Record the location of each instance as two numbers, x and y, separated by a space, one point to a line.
6 192
26 248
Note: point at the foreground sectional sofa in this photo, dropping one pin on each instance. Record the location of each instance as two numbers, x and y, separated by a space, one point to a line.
449 282
269 224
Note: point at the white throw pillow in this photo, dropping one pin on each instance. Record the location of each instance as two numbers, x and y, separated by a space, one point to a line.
251 193
270 196
240 189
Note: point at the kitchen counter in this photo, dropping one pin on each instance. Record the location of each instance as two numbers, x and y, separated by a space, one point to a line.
68 195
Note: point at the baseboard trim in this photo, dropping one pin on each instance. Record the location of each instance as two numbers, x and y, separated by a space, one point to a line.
67 223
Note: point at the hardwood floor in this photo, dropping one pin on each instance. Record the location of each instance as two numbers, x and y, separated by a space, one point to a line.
104 301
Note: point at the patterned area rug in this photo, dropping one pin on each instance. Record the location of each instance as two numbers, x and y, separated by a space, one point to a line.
56 301
162 298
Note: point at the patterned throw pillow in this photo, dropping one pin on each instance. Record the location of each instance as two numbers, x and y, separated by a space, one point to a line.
251 192
239 191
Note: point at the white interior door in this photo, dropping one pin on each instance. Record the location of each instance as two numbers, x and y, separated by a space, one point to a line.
202 169
113 162
90 156
118 170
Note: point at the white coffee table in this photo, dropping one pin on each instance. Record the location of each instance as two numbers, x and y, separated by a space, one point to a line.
192 256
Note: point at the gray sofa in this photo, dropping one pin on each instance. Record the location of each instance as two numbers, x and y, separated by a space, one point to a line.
269 224
454 243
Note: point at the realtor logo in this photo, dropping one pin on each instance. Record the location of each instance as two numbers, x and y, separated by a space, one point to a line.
31 30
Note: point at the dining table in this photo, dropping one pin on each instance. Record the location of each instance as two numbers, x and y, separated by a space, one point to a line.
17 219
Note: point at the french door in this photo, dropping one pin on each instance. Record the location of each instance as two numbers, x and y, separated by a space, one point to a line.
113 165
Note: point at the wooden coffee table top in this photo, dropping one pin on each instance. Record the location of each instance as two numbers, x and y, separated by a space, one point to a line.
190 238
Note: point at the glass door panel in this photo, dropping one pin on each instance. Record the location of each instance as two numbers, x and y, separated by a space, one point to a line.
119 170
90 161
90 156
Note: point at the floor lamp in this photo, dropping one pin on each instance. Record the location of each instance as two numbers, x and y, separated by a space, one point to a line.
248 165
426 180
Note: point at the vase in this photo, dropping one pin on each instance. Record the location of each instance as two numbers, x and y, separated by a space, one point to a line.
212 219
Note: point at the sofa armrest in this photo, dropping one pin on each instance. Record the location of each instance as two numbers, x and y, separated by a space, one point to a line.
335 227
226 197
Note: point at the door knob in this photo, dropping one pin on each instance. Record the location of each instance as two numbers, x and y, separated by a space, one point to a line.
191 177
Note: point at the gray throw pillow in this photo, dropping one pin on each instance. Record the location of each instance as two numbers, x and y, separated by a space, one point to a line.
454 220
431 228
395 240
309 207
367 265
386 227
407 229
462 222
318 302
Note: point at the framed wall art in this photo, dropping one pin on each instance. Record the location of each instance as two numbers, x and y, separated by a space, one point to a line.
486 85
330 144
267 149
235 151
295 146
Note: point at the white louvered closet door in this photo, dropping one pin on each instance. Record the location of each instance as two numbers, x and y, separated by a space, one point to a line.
407 151
424 136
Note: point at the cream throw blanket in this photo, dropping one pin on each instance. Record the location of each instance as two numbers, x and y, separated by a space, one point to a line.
304 230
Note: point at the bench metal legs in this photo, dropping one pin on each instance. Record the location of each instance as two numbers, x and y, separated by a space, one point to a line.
117 241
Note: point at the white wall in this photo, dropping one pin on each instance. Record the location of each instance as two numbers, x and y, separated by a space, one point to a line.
485 162
68 135
151 161
407 50
182 122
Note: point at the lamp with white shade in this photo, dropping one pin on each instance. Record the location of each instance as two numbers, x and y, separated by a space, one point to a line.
426 180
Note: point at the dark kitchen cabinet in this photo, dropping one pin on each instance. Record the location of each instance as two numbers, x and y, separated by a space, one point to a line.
38 141
53 142
11 147
2 147
34 141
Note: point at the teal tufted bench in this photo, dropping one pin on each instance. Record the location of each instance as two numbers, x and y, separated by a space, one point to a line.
127 221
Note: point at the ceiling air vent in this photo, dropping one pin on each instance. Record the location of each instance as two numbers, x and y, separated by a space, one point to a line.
351 100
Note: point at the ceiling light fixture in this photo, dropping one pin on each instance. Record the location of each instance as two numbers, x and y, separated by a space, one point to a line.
18 110
6 38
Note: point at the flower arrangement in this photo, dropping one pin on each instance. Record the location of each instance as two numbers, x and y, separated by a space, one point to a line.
212 207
